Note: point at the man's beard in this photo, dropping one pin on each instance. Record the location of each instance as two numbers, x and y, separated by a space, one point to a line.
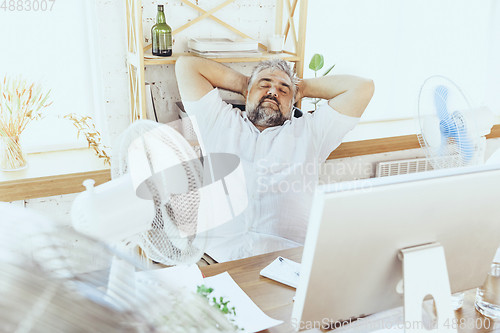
266 116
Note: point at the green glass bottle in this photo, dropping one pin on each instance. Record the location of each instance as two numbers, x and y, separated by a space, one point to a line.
161 35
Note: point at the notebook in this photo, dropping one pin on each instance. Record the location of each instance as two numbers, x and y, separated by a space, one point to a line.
284 271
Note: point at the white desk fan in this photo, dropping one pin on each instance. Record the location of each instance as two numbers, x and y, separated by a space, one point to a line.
48 285
450 131
162 193
154 194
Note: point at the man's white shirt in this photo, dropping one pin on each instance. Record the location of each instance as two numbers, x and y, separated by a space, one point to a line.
281 172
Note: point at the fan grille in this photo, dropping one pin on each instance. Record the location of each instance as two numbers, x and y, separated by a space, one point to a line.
176 215
60 289
458 143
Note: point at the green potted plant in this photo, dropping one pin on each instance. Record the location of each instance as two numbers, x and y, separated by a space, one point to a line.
317 62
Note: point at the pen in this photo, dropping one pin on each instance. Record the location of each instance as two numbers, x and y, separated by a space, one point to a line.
283 261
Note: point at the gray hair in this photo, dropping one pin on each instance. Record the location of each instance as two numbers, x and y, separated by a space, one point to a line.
273 64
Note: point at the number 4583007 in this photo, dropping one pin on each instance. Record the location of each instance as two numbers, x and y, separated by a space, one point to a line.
27 5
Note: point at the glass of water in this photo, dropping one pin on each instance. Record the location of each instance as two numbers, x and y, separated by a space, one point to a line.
488 295
457 300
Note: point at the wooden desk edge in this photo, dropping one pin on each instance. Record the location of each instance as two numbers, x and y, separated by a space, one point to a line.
386 145
31 188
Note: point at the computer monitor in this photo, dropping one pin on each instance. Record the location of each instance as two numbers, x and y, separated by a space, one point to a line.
350 264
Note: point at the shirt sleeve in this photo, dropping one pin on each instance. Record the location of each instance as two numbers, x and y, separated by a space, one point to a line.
329 128
211 115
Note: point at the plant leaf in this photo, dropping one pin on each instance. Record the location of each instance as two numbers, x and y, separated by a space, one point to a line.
328 71
317 62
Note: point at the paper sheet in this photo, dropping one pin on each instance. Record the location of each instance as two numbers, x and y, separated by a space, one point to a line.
178 277
248 315
286 272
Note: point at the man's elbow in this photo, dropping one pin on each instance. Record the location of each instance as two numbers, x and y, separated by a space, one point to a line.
367 88
364 94
182 63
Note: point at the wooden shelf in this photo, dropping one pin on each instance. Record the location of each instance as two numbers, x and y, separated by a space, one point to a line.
53 173
150 59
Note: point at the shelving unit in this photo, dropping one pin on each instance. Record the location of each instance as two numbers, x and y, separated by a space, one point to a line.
139 56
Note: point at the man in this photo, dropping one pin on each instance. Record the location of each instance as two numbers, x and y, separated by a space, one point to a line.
280 153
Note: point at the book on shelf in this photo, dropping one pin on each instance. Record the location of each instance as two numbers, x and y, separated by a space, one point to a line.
226 54
223 44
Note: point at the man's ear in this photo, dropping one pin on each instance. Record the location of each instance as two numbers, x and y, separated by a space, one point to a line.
245 90
299 93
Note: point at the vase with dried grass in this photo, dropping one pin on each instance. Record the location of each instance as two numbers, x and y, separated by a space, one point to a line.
20 103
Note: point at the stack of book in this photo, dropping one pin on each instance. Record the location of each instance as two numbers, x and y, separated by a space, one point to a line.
224 47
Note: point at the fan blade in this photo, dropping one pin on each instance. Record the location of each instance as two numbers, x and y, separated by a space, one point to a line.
448 125
441 100
442 151
460 134
466 147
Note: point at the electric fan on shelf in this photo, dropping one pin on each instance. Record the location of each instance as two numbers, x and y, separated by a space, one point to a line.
450 131
50 283
153 199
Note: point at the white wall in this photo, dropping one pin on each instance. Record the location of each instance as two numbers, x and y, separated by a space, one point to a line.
112 44
49 47
399 44
492 97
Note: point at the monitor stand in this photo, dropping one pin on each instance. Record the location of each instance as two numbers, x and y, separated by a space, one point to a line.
425 273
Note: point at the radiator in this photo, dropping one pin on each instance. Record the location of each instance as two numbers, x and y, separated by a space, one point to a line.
403 167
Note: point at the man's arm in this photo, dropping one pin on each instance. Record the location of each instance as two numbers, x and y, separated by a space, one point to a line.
197 76
347 94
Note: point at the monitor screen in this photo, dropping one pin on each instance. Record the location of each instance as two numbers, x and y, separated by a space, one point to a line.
350 264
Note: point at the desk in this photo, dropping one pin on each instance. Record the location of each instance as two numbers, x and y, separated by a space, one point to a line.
275 299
